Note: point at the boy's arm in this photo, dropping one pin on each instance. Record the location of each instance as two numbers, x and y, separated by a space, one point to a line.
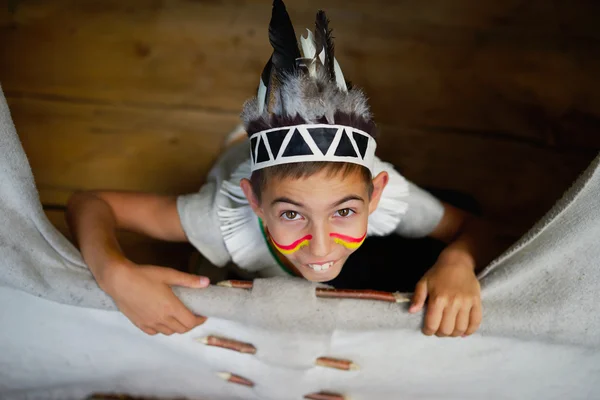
468 237
454 306
142 293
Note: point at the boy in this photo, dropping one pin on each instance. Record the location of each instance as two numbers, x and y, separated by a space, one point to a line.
299 197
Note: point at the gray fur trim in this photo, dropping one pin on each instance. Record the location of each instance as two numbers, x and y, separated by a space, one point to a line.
250 111
311 99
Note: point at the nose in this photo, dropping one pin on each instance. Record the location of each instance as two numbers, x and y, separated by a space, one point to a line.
321 243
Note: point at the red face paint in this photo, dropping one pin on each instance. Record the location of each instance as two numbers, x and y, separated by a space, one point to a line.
291 248
348 242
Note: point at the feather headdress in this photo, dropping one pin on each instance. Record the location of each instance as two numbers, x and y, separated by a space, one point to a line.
304 109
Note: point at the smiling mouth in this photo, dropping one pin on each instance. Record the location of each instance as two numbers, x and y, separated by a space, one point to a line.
321 267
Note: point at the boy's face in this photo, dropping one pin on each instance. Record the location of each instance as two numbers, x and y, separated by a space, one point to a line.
318 221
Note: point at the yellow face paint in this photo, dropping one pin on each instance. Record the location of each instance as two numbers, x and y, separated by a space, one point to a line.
348 241
292 248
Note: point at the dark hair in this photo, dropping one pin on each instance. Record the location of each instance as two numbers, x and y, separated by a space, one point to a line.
299 170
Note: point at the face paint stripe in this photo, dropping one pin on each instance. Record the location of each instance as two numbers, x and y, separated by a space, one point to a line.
292 247
293 250
347 245
348 241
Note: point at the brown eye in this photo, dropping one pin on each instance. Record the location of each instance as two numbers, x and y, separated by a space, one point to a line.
344 212
290 215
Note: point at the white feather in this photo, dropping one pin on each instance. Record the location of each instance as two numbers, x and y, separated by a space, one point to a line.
339 76
260 97
308 51
322 56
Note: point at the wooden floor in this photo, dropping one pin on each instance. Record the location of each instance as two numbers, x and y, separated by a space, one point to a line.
497 99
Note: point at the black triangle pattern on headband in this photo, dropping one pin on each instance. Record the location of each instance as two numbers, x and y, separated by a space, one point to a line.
311 143
276 139
361 142
262 154
253 149
323 137
345 148
297 146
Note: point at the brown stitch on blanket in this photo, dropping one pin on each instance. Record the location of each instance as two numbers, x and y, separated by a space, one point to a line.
362 295
236 284
229 344
325 396
229 377
335 293
328 362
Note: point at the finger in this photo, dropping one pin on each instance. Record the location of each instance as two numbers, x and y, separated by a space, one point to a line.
185 317
474 320
435 308
462 321
418 301
448 319
149 331
175 325
189 320
177 278
165 330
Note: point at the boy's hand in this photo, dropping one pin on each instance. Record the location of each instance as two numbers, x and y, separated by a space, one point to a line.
454 306
144 295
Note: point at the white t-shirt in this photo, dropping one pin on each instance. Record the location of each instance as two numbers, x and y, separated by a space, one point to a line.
220 223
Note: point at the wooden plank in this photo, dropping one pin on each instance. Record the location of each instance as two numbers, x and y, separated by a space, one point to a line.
515 183
77 147
139 249
511 68
50 196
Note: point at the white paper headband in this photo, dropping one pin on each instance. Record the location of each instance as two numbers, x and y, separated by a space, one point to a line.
312 142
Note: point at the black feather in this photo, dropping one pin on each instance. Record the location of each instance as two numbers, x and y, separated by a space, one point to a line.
265 77
285 53
283 39
320 32
324 40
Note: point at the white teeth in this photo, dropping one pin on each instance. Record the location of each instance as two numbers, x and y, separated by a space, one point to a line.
321 267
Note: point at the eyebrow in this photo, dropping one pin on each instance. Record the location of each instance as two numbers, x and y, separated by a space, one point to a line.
335 204
347 198
286 200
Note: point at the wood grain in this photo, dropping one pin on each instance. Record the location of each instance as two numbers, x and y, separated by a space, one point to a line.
80 146
515 68
514 182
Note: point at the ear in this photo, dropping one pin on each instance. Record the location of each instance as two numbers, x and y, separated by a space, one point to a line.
379 183
252 199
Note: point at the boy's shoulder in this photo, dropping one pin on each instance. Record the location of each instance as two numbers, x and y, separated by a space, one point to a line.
392 204
218 219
